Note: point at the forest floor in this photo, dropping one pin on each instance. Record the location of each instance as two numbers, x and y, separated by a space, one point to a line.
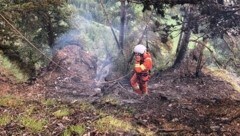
63 103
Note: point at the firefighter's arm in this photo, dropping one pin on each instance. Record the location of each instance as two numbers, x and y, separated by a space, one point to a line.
143 67
148 63
137 66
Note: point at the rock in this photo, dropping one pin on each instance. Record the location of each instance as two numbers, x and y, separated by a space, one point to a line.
215 128
97 90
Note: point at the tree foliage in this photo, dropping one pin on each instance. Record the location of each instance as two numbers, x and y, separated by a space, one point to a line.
209 18
43 21
39 21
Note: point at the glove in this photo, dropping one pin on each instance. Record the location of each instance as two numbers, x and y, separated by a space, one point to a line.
137 58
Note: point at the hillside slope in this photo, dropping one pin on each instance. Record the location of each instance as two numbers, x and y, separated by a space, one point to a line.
70 102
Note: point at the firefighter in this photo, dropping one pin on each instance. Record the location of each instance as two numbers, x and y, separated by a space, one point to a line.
142 67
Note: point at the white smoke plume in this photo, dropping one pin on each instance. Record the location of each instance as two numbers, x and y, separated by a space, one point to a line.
92 37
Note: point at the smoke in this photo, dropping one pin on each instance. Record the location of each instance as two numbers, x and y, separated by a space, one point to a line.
69 38
103 69
92 37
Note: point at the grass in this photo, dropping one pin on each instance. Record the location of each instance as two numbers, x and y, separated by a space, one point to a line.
34 118
128 111
35 125
111 124
5 119
110 100
228 77
145 131
74 129
10 101
30 109
62 112
49 102
11 70
87 107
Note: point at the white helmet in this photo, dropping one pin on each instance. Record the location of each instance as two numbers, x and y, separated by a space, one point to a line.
139 49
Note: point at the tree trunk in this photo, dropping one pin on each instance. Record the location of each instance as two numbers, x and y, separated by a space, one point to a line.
200 62
50 34
122 25
180 38
184 39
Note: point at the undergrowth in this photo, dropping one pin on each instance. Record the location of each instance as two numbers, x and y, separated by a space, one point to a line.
11 70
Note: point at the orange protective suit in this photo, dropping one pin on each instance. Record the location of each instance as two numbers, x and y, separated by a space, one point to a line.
141 76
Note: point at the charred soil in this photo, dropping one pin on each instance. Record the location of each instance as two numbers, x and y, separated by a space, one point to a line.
176 105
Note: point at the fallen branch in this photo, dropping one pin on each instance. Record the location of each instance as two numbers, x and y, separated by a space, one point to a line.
234 118
121 86
171 130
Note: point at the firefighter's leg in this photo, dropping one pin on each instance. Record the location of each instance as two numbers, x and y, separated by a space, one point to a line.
144 87
134 83
144 84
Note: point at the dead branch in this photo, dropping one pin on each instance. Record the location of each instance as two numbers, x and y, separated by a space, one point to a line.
233 61
122 86
234 118
213 56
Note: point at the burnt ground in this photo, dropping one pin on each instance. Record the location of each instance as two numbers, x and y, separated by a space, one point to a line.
176 105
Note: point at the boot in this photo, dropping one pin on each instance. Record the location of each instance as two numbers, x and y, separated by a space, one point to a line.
138 92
